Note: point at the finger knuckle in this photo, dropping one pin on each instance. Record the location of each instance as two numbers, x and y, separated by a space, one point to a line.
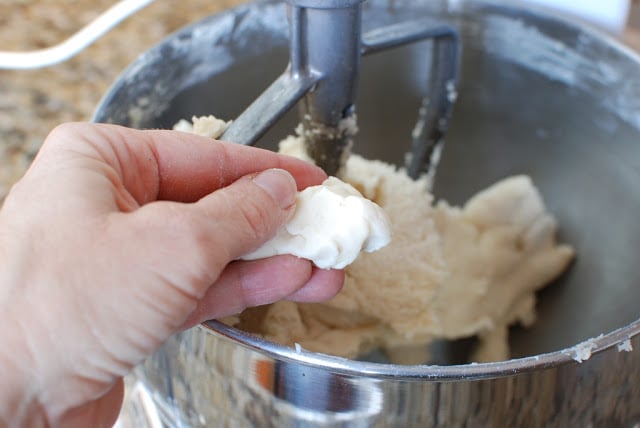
257 217
65 132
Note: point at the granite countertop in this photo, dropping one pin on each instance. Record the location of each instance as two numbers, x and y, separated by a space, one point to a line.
33 102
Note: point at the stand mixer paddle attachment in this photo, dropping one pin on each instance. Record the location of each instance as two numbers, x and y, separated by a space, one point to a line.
326 45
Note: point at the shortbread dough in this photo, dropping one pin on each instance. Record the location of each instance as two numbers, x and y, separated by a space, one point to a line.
448 273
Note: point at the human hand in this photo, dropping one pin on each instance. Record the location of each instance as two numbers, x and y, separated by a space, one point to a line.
114 240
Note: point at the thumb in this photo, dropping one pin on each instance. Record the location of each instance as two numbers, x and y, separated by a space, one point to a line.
250 211
192 243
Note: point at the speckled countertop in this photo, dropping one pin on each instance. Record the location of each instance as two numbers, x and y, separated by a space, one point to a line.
33 102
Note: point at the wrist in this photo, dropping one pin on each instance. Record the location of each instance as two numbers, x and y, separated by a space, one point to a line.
19 403
19 383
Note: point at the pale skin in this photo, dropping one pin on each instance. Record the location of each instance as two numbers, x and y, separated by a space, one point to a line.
116 239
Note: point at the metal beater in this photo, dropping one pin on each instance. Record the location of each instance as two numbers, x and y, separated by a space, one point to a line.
326 44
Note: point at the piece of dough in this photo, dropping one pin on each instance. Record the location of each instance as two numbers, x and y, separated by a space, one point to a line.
331 224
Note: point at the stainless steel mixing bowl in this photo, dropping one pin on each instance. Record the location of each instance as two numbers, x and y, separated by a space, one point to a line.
538 96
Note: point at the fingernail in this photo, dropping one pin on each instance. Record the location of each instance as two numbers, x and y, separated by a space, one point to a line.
279 184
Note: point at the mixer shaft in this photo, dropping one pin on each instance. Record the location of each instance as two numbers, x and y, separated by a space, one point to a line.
326 44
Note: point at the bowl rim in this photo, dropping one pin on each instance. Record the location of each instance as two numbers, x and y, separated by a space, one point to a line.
579 353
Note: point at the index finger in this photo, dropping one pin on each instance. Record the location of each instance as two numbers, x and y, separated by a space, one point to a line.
173 165
192 166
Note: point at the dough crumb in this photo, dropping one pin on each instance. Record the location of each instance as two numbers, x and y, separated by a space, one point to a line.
625 346
582 351
206 126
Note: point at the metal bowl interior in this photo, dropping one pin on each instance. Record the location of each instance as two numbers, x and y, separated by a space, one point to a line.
536 95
